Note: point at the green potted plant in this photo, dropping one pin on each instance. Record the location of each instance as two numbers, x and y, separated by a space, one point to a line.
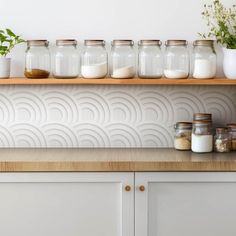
8 40
221 22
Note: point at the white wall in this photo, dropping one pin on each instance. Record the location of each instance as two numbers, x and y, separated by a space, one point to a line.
105 19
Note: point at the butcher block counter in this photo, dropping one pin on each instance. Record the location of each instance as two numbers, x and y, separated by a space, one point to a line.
115 160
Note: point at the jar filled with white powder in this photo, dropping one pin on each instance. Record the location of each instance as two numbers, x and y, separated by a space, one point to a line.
202 137
176 59
122 64
66 59
94 60
204 59
150 59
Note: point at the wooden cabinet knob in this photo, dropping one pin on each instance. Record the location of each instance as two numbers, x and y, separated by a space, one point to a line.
127 188
142 188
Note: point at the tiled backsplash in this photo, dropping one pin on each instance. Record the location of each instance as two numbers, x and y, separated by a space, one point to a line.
105 116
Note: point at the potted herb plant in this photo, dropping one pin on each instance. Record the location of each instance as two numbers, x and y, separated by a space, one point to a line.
8 40
221 22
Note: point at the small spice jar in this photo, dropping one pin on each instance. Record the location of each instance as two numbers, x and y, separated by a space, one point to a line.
202 116
222 142
122 65
232 134
204 59
182 140
176 59
202 137
37 59
150 59
94 60
66 59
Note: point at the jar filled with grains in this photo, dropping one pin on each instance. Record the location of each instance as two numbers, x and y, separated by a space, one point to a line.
182 140
222 141
232 134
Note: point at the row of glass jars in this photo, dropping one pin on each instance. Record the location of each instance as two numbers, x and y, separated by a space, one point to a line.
198 136
175 64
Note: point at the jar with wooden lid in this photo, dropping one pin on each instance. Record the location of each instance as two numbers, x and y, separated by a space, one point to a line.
123 61
94 60
176 59
202 117
232 134
222 142
182 140
202 136
37 59
66 59
150 59
204 59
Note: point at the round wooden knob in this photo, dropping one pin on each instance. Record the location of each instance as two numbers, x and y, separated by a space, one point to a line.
142 188
127 188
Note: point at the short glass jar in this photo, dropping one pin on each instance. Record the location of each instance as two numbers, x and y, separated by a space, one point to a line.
204 59
202 116
94 60
202 137
176 59
122 65
150 59
232 134
37 59
66 59
222 142
182 140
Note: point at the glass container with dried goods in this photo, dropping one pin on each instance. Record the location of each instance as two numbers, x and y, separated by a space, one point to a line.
182 140
222 142
122 65
37 59
66 59
232 134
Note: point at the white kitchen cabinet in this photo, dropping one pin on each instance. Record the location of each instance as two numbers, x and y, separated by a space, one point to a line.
185 204
66 204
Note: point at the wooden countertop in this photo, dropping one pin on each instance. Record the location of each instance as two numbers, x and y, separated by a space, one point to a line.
27 160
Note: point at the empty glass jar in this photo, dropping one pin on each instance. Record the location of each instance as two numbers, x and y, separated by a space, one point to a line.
204 59
150 59
94 60
176 59
222 142
37 59
66 59
122 65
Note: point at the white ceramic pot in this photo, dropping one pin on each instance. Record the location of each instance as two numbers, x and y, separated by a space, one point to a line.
229 64
5 67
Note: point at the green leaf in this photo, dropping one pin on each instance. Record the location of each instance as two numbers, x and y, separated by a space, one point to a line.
10 33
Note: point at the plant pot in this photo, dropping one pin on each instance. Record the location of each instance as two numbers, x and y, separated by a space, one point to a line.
5 67
229 63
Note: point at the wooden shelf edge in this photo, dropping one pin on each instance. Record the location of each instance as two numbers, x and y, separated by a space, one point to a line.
109 81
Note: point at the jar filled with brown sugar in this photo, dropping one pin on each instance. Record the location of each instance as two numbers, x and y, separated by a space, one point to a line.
37 59
232 134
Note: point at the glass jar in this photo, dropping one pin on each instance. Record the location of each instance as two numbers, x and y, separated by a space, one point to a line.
204 59
202 116
94 60
122 59
37 59
182 140
66 59
176 59
202 137
232 134
150 59
222 142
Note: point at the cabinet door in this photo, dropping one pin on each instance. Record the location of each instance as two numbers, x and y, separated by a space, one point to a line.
66 204
185 204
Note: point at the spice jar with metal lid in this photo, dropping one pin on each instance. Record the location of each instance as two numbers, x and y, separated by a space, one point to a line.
232 134
204 59
182 140
66 59
202 116
122 64
150 59
37 59
222 142
176 59
202 136
94 60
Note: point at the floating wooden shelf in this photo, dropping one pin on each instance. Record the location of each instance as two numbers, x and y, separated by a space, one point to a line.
109 81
